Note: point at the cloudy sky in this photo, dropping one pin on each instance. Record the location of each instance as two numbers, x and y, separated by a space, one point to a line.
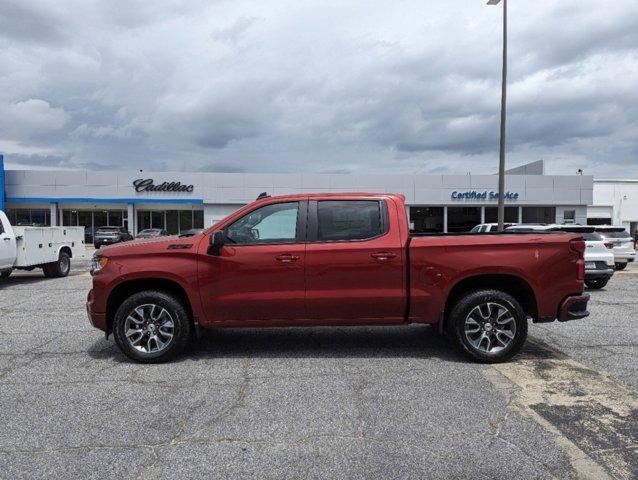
317 85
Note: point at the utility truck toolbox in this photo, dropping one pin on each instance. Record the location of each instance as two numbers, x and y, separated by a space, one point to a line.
49 248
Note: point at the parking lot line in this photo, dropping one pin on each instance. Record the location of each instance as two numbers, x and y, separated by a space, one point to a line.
590 414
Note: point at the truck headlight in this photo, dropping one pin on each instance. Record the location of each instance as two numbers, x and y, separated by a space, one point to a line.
98 263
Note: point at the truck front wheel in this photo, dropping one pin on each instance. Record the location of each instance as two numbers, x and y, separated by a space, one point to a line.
61 268
489 326
151 327
5 273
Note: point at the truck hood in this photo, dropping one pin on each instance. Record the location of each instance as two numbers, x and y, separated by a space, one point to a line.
151 245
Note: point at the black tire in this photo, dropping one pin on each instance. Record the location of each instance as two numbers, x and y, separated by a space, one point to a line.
181 333
621 266
490 300
6 273
58 269
596 283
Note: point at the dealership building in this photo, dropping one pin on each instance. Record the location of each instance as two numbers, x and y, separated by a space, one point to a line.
178 201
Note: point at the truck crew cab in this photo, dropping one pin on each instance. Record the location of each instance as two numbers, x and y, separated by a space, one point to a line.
335 259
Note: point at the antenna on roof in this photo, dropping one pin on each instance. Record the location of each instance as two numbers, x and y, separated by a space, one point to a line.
263 195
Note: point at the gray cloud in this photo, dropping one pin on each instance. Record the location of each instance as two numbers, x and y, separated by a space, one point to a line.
316 86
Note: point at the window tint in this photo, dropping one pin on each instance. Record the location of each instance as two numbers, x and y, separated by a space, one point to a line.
592 237
275 223
608 234
348 220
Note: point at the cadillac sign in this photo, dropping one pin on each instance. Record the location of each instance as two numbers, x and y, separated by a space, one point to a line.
147 185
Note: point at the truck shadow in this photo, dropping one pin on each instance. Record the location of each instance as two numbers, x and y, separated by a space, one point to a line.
28 278
415 342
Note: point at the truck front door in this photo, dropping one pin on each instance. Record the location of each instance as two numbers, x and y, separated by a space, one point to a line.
258 275
7 243
354 262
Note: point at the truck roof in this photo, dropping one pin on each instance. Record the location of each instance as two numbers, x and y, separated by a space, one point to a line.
345 195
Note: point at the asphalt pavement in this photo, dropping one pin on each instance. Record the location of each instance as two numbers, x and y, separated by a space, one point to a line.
351 403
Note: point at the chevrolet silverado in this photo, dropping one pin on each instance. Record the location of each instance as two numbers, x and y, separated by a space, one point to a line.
335 259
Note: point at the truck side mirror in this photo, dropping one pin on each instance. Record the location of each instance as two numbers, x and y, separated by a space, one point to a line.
217 240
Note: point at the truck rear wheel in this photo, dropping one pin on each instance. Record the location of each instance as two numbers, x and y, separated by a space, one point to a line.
489 326
151 327
61 268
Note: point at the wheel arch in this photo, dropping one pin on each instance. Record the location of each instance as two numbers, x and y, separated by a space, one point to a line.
513 285
66 249
130 287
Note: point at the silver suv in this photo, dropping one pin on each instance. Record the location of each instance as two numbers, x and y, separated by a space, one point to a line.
623 244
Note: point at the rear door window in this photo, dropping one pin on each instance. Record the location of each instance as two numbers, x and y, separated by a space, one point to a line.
349 220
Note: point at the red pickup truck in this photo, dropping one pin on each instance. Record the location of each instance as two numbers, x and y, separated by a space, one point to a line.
335 259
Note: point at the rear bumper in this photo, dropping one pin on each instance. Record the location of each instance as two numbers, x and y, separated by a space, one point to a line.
573 307
624 257
599 273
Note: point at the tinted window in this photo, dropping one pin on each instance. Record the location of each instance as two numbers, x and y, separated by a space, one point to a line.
275 223
608 234
348 220
592 237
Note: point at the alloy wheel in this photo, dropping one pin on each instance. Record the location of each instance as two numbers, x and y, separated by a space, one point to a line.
149 328
490 327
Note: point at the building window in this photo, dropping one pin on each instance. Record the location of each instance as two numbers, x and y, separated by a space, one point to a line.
426 219
462 219
598 221
539 214
198 218
511 214
569 216
172 222
29 216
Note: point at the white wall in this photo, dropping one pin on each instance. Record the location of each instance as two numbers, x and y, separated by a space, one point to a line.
621 196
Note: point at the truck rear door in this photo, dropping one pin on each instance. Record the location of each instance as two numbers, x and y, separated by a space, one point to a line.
354 262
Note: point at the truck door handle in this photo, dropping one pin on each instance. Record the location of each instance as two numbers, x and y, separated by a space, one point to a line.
6 239
383 255
286 258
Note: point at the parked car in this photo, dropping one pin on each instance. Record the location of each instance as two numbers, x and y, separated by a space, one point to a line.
489 227
110 235
599 257
48 248
623 244
335 259
191 232
152 233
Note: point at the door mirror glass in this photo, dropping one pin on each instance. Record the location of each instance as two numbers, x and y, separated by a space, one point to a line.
217 240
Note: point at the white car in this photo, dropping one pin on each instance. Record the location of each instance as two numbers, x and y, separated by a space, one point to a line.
49 248
623 243
599 257
489 227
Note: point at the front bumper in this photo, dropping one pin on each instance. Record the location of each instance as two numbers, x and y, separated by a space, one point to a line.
105 241
98 320
573 307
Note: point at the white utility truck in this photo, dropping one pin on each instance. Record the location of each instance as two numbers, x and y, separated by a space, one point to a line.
49 248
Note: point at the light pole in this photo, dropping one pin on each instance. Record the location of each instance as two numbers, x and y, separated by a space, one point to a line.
501 162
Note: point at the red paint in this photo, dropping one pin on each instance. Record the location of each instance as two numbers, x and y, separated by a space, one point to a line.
349 282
